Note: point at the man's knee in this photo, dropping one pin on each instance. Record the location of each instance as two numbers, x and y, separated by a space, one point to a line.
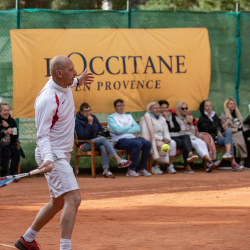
137 144
73 198
101 139
147 144
57 203
78 200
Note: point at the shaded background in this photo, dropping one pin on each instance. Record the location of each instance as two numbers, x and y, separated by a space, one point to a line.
228 36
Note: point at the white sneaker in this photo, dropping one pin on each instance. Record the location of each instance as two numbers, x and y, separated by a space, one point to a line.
237 167
156 170
144 172
132 173
170 169
227 156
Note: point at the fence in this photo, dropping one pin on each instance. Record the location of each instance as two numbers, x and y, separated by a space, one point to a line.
228 35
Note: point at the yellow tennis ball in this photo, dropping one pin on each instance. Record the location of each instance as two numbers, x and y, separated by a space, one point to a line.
165 148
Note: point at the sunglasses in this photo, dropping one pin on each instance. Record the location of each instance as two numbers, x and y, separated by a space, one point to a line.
184 108
86 111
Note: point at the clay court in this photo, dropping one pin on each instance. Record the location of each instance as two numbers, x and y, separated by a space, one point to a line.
199 211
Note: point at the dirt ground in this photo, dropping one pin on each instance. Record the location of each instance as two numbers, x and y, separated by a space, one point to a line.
182 211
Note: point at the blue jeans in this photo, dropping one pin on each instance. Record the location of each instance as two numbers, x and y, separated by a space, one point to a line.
104 145
226 139
136 145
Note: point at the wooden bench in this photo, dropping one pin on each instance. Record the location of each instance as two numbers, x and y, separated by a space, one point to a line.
93 153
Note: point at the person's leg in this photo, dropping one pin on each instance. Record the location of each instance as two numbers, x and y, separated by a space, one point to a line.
187 143
201 148
1 157
228 141
106 143
110 149
146 147
105 162
180 145
247 140
72 201
6 154
15 158
47 213
99 145
69 203
172 151
134 145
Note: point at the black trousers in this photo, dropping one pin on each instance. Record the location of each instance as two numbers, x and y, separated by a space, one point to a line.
183 142
10 152
247 135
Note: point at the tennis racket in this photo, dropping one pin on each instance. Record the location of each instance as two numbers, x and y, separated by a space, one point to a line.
4 181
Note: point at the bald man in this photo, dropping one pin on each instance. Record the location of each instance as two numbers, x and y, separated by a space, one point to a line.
54 117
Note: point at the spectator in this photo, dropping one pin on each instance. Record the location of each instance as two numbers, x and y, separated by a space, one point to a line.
186 123
231 119
209 122
89 128
123 129
246 133
154 129
183 142
8 141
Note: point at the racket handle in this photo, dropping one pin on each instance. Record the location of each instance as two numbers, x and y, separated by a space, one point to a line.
37 171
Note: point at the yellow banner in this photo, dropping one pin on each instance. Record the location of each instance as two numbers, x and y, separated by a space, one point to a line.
136 65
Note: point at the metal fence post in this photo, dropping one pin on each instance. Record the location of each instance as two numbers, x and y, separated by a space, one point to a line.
129 14
18 27
18 14
238 52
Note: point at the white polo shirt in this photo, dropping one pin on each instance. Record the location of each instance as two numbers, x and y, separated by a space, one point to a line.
54 118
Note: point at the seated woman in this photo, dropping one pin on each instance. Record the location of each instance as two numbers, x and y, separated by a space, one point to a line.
8 141
153 128
209 122
187 128
231 119
183 142
88 127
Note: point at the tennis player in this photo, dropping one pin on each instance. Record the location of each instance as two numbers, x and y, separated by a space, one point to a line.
54 117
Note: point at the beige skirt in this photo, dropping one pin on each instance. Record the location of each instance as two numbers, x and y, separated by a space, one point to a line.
240 145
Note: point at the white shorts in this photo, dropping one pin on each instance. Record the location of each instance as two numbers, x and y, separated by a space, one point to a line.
61 179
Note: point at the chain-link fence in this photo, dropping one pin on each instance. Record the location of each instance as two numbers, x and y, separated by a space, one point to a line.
228 35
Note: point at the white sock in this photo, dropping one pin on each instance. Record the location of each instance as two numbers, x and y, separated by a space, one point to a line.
30 235
65 244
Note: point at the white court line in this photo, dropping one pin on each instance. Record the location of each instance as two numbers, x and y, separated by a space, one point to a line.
9 246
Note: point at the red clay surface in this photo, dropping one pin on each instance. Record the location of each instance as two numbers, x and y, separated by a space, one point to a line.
199 211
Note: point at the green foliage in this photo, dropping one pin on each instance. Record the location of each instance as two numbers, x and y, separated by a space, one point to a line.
25 4
196 5
168 4
119 5
221 5
75 4
7 4
52 4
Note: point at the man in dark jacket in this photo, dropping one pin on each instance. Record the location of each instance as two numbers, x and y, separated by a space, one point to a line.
88 127
8 140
